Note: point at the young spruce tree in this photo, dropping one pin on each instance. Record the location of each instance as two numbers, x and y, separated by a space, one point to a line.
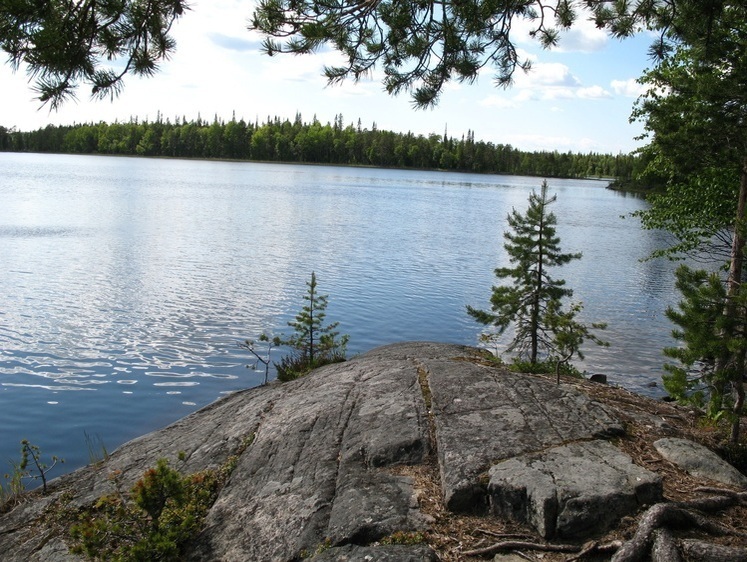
532 302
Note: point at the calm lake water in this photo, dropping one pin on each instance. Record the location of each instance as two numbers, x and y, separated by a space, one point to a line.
125 284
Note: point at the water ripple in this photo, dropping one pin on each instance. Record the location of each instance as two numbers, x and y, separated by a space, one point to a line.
146 274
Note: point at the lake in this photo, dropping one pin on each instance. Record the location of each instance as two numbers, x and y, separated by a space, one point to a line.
126 284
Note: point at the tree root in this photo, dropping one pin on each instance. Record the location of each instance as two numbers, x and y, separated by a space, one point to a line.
699 550
653 539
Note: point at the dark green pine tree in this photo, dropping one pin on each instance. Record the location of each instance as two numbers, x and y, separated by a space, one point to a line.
709 330
531 300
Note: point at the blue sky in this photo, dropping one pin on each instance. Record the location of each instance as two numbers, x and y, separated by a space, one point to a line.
577 97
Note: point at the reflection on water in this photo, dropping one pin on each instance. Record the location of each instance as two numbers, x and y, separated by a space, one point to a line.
127 283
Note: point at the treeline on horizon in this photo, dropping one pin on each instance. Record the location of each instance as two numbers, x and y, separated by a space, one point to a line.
279 140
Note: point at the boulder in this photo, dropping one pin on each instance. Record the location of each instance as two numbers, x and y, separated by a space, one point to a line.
483 415
699 461
572 491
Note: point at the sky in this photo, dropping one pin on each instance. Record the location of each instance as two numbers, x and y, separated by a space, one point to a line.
578 97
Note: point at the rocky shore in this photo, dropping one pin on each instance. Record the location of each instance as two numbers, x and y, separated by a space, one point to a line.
426 451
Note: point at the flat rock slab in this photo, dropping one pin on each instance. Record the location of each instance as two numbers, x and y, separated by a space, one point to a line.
318 455
699 461
484 415
572 491
315 472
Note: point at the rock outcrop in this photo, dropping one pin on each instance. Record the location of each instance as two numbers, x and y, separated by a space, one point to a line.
322 477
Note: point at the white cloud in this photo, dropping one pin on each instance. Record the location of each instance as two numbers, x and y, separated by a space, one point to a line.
546 82
234 43
558 93
527 95
629 88
526 55
348 88
546 74
593 93
583 37
500 102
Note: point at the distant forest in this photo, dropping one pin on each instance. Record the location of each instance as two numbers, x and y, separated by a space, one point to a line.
279 140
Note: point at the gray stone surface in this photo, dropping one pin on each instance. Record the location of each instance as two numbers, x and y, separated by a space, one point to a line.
700 461
388 553
320 467
571 491
313 471
485 415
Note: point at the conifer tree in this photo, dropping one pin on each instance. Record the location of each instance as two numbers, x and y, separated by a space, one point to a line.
314 344
532 302
708 334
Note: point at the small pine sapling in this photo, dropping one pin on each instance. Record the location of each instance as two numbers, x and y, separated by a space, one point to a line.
312 343
39 469
250 345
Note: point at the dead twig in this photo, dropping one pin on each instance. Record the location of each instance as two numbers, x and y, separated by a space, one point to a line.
503 535
517 545
595 548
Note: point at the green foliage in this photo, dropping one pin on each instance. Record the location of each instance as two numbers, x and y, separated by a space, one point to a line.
38 469
160 515
707 334
295 365
693 113
313 343
421 46
532 300
569 336
64 44
548 367
13 488
295 141
31 466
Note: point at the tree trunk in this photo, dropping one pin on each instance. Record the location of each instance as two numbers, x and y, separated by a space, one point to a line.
733 285
538 286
